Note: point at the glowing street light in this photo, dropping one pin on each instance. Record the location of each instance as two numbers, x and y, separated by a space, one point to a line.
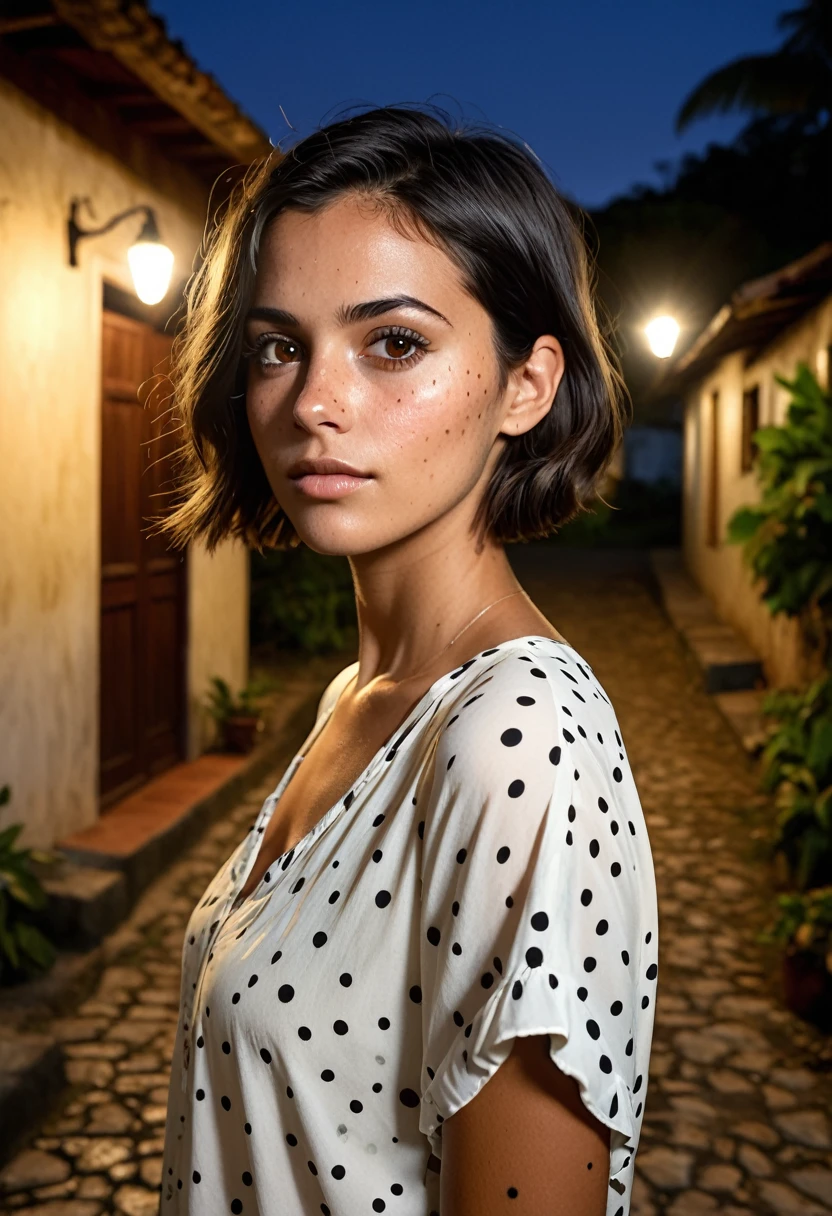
662 334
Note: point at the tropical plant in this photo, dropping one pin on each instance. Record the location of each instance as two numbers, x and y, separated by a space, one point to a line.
24 950
797 763
796 79
222 704
786 536
804 923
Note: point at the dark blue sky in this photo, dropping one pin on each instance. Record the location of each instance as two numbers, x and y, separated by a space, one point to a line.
591 85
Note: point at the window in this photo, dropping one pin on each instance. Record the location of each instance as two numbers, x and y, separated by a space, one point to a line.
750 423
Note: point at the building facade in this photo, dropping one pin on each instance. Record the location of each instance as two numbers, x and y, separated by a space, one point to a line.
727 380
108 638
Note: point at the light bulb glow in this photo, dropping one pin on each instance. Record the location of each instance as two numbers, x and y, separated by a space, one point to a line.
662 333
151 265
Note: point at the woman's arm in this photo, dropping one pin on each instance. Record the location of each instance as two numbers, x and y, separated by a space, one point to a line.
526 1131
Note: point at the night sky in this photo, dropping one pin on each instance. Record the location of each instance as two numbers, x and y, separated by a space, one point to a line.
592 86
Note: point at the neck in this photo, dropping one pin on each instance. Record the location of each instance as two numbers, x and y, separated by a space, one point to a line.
412 602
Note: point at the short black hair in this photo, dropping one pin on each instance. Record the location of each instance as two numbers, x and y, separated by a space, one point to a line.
482 196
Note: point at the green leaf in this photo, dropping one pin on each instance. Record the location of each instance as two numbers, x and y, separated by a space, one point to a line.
9 835
33 943
743 524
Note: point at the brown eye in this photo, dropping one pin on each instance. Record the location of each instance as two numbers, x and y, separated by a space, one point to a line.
271 351
278 350
397 346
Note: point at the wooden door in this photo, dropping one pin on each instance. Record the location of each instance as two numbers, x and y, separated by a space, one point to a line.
142 652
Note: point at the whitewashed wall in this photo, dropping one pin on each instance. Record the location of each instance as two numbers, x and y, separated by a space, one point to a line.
50 335
720 570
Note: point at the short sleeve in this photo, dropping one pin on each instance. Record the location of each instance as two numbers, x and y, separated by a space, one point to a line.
538 912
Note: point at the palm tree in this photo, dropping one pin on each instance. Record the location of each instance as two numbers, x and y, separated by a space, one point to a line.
795 80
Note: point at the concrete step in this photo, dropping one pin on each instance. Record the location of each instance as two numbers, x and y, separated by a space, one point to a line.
743 711
727 661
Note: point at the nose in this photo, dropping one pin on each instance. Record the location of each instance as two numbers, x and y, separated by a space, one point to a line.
319 401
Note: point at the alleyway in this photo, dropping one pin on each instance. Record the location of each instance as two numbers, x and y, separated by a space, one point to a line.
738 1109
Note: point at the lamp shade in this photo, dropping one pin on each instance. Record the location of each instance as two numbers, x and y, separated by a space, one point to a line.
151 265
662 333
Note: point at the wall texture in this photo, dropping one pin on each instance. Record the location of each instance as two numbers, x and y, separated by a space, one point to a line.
50 335
720 570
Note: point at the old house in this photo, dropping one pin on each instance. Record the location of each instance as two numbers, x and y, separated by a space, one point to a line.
726 378
108 638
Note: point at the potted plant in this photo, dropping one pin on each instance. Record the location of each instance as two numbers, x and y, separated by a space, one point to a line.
804 928
238 719
24 950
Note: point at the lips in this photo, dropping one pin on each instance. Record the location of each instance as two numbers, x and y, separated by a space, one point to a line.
324 466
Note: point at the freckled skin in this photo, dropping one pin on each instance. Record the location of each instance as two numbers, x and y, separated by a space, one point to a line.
379 402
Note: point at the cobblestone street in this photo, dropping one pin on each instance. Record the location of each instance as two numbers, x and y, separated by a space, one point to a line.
738 1108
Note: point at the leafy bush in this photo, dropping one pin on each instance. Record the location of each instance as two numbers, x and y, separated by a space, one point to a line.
786 537
24 950
786 542
804 923
797 762
302 600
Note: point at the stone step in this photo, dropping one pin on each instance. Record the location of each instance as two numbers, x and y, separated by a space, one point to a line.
728 662
744 713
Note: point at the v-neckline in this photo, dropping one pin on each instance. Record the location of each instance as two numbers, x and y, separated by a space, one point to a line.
393 742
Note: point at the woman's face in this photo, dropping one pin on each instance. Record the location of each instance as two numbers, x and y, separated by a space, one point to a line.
403 392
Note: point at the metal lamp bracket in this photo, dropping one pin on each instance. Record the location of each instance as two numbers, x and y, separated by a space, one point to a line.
149 232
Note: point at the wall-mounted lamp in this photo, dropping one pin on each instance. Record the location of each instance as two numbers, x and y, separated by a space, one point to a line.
151 262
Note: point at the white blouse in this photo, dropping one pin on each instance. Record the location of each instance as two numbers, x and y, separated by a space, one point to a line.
488 875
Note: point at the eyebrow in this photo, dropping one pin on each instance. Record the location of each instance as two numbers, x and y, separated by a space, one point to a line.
349 314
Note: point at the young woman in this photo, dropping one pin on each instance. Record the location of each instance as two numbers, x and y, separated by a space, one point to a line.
437 945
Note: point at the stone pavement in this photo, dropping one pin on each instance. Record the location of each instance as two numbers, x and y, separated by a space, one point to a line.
737 1116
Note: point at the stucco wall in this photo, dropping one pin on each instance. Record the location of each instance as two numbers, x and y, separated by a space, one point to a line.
720 569
218 629
50 335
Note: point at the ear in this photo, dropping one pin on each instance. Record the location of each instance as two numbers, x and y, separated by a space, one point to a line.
532 386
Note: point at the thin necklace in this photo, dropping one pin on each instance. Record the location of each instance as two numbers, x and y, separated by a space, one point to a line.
459 635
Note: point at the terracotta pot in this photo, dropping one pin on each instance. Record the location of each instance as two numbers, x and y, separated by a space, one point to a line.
807 986
241 733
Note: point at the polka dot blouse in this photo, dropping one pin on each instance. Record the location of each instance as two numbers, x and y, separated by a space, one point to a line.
489 875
